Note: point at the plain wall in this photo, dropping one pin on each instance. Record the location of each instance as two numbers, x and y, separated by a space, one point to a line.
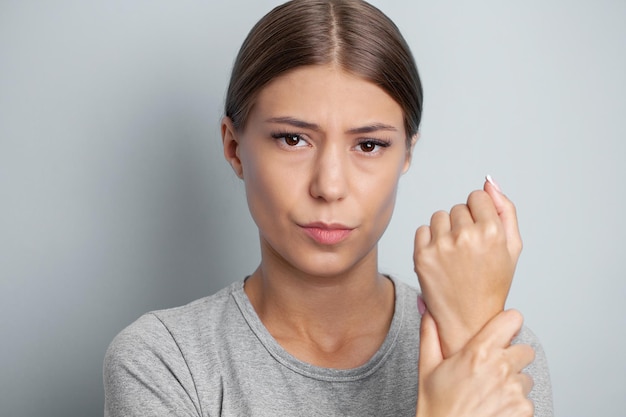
115 199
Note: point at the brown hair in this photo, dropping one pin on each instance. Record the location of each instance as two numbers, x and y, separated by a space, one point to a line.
351 33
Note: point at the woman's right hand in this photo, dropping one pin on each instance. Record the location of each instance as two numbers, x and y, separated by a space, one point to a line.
483 379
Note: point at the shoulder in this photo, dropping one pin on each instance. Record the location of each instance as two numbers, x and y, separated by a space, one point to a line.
150 366
403 286
200 316
404 290
162 329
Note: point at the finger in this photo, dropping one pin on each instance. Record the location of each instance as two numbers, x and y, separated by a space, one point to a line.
506 212
439 224
422 240
482 207
430 355
520 356
500 330
460 217
422 237
524 409
526 382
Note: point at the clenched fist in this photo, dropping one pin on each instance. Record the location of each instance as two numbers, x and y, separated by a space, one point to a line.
465 262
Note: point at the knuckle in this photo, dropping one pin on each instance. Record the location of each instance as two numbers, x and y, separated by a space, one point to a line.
442 246
479 356
504 370
439 215
491 231
422 235
515 316
476 195
458 207
464 237
423 228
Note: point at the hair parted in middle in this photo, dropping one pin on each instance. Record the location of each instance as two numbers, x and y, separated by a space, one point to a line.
352 34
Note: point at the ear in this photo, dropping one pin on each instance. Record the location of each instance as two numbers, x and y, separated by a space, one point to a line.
230 142
409 153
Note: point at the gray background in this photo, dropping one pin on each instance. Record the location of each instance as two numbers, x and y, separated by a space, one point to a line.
115 200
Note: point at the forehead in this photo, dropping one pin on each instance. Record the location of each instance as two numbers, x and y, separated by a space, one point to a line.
326 95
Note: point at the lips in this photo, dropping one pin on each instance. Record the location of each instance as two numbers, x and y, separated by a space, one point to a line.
327 234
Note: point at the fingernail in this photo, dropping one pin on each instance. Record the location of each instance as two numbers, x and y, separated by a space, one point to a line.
421 306
494 183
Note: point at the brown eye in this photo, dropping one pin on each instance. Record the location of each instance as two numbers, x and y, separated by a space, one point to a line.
292 140
373 146
367 146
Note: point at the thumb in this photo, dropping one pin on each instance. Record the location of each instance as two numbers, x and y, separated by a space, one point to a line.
430 355
506 212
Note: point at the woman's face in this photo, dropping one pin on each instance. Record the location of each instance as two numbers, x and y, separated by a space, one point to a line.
321 155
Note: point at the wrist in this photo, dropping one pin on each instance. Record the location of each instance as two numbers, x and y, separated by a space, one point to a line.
456 331
454 338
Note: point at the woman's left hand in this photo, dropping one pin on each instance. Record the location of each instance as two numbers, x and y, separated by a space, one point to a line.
465 262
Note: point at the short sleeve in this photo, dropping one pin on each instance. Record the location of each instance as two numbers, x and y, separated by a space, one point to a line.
145 373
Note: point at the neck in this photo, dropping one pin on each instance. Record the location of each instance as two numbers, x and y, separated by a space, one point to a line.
308 314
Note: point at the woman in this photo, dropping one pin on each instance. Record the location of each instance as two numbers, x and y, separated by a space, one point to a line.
322 114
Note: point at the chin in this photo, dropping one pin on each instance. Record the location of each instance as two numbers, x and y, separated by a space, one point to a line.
328 265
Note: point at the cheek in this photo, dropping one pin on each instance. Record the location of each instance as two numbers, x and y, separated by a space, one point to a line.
260 185
380 201
269 189
381 188
387 197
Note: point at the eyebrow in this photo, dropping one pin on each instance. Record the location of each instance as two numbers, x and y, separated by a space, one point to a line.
374 127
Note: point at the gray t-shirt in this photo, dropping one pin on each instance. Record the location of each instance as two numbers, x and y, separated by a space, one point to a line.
214 357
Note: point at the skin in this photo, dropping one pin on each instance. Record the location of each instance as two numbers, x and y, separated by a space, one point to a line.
331 156
302 287
465 260
484 378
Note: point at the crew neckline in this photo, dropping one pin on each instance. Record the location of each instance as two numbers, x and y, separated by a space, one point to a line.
318 372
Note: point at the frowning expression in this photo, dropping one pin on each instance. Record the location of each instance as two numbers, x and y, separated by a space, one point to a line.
321 155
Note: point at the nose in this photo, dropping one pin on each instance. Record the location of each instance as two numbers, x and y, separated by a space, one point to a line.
330 175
